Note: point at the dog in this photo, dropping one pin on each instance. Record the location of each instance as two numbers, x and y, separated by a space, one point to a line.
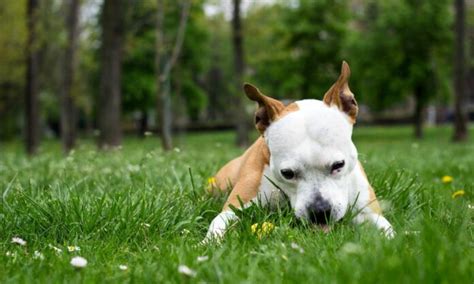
304 154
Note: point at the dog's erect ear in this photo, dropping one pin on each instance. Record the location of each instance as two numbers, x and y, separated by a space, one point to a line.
340 94
268 108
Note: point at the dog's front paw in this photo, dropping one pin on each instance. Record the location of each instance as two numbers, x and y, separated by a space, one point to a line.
218 227
389 232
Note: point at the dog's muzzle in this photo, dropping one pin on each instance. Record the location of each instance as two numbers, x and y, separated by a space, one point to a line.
319 211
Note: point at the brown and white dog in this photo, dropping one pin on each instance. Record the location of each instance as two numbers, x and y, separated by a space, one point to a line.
305 152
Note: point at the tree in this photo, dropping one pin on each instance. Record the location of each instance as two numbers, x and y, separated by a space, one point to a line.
164 63
240 117
109 108
31 93
460 110
68 119
13 34
316 39
400 50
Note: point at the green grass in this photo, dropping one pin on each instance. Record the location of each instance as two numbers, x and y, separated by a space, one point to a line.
149 210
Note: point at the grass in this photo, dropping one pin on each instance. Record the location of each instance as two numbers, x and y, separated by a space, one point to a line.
149 210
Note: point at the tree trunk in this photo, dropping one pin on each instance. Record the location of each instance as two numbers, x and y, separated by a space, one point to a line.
240 117
460 105
109 111
418 116
31 93
68 110
142 123
164 65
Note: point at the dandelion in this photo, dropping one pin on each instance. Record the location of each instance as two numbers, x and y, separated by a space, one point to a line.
458 193
183 269
19 241
123 267
295 246
264 229
38 255
202 258
56 249
79 262
447 179
73 248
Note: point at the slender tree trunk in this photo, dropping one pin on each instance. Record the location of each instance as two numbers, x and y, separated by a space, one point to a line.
142 123
418 115
240 117
164 65
109 112
68 110
460 105
31 93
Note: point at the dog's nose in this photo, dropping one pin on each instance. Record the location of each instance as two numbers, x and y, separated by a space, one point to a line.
319 211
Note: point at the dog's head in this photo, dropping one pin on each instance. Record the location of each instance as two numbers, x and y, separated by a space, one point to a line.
311 151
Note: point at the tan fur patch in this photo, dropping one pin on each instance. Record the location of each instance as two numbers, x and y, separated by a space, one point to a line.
250 174
373 202
288 109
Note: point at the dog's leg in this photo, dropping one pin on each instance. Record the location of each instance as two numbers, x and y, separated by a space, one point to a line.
219 225
378 220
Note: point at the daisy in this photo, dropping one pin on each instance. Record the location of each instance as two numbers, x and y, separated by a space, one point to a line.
19 241
78 262
183 269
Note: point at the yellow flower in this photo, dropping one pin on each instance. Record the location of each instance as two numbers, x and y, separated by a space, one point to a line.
211 184
211 181
262 230
447 179
458 193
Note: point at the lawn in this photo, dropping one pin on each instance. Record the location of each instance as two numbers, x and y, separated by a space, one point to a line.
148 210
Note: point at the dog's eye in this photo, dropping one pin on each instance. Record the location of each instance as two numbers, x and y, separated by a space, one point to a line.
287 173
337 166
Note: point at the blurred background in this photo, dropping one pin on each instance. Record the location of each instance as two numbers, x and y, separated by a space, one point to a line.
102 70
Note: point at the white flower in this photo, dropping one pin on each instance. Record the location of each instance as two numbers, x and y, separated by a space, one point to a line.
183 269
73 248
295 246
148 133
78 262
56 249
133 168
10 254
177 150
351 248
470 206
38 255
19 241
202 258
123 267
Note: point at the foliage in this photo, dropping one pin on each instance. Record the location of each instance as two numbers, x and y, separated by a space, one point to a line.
139 80
148 210
317 32
402 48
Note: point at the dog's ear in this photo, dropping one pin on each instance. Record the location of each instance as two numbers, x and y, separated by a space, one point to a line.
268 108
341 96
